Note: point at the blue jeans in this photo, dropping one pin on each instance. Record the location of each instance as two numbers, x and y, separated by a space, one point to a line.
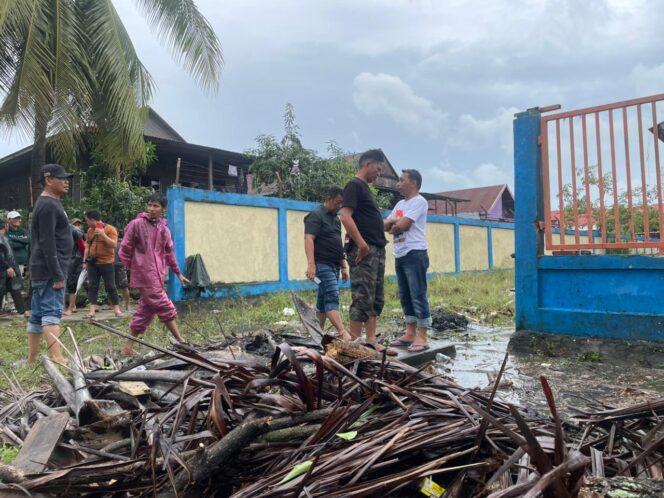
412 280
328 289
47 305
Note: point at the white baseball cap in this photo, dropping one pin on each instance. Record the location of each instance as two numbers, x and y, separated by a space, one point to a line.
13 214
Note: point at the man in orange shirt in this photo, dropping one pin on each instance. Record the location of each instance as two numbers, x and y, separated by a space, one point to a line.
99 260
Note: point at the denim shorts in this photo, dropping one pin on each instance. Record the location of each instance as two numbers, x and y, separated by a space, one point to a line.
47 305
328 289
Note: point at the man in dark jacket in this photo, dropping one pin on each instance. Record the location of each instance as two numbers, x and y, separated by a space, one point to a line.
10 275
50 254
18 238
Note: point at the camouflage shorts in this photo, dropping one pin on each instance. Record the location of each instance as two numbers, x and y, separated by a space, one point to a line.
367 284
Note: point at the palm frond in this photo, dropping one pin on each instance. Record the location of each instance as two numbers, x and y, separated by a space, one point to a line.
192 40
122 86
29 92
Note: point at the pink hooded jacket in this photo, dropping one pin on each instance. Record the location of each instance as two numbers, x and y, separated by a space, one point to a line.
146 250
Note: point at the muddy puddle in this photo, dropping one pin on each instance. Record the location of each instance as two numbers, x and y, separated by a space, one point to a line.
583 373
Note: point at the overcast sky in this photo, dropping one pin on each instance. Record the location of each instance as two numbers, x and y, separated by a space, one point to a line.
434 84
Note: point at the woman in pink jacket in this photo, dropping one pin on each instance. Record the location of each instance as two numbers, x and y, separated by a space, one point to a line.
146 250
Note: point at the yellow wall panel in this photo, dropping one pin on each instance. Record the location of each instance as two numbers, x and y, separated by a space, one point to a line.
238 243
474 243
440 237
503 247
297 259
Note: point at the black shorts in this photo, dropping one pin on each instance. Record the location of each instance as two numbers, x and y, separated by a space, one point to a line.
121 279
74 273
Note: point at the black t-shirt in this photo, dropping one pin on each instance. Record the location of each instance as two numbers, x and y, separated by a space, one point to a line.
366 213
52 241
326 227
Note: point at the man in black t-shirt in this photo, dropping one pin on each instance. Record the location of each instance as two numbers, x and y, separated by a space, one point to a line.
50 255
325 257
364 224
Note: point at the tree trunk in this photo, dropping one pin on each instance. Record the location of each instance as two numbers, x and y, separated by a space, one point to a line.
38 157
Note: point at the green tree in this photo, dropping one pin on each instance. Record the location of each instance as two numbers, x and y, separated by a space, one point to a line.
609 208
68 68
285 168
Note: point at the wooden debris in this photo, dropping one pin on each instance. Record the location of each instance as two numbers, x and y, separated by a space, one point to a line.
135 388
356 423
40 443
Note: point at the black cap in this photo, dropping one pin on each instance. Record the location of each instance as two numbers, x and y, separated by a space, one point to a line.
55 171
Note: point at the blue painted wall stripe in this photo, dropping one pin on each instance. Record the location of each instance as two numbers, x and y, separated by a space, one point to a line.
283 245
457 248
489 238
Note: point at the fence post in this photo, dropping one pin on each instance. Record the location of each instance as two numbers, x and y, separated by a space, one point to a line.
528 243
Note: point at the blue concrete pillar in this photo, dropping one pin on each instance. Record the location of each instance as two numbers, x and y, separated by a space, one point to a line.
528 243
283 245
175 220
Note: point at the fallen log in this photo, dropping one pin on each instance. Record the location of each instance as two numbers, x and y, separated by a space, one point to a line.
216 456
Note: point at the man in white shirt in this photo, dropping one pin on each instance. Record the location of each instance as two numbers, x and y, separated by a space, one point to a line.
408 224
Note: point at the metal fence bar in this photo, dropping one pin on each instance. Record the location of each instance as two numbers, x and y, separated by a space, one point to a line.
561 200
589 214
655 134
628 168
614 179
575 205
644 183
546 188
600 174
596 205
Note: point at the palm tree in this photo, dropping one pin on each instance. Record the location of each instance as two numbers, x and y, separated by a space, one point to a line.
68 69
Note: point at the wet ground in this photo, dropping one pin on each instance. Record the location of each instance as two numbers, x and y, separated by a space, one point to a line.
581 372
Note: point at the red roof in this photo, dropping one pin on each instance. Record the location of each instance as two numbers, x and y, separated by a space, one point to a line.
480 199
583 220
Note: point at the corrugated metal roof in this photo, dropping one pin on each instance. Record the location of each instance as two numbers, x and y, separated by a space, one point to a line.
480 199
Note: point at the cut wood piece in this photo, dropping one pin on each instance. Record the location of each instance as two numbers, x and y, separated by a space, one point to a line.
135 388
40 443
346 352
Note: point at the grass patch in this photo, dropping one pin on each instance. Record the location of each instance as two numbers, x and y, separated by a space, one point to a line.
8 453
484 296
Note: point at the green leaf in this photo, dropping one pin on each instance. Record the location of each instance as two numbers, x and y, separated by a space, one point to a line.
366 414
348 436
298 470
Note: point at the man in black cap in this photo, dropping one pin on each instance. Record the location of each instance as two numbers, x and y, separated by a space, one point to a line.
50 255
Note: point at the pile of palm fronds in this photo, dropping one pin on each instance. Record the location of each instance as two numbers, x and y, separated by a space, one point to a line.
219 423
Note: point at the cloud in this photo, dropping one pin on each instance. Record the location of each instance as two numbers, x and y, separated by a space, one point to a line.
386 95
485 174
647 80
473 133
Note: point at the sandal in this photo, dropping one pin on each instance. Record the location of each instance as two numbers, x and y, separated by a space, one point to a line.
418 348
400 343
379 348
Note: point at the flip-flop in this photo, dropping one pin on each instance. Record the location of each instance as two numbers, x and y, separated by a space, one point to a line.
398 343
418 348
388 351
